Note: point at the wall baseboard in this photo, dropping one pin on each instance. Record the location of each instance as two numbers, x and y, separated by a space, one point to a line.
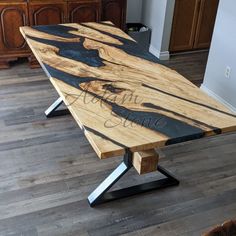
218 98
189 52
161 55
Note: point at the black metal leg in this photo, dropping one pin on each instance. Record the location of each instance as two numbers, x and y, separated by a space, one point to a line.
101 194
51 111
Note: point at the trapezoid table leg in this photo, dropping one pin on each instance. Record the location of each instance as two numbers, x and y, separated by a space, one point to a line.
101 195
52 110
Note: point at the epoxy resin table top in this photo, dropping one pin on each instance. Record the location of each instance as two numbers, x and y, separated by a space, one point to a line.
120 95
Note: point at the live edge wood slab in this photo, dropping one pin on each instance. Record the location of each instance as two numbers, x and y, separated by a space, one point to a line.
121 96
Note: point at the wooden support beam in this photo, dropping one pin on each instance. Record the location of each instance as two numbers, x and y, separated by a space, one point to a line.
146 161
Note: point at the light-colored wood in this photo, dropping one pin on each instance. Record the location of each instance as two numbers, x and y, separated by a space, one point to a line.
121 96
146 161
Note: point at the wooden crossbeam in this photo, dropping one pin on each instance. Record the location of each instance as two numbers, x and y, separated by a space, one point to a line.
146 161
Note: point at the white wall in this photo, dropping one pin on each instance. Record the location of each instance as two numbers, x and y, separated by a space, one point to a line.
134 11
158 15
222 54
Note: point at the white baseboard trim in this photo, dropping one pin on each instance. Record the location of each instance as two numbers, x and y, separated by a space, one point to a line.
161 55
218 98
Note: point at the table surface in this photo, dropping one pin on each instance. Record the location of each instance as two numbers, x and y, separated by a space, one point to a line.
120 95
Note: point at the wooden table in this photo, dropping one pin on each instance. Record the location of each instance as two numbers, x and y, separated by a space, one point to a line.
125 101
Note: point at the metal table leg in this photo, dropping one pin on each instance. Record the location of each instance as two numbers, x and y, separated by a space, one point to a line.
101 195
52 112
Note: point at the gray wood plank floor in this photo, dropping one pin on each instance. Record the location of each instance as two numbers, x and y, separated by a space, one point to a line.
48 169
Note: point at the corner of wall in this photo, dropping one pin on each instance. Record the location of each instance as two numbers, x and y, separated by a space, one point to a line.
165 55
217 97
161 25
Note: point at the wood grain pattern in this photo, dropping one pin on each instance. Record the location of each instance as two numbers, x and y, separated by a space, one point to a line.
16 13
146 161
121 96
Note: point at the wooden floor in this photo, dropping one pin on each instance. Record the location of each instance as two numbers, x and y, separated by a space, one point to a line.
48 169
192 66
